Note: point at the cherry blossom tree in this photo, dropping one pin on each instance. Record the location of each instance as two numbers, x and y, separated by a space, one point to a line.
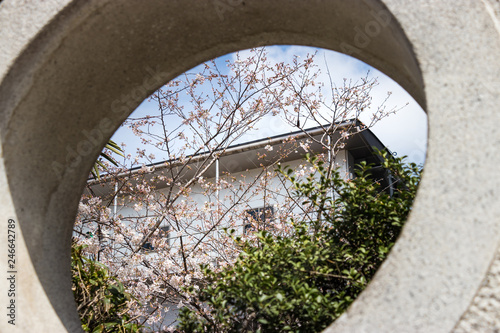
145 221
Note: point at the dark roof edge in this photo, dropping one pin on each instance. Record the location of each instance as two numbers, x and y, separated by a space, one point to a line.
255 144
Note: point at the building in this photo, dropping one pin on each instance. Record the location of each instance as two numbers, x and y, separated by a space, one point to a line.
208 174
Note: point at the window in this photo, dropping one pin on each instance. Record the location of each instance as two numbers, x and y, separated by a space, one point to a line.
258 219
164 233
147 247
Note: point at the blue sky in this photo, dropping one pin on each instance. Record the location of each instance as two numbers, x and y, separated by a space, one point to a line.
404 133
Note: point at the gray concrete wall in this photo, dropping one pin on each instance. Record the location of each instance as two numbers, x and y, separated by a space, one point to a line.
72 71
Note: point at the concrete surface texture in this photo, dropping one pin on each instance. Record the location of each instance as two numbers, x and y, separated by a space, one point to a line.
72 71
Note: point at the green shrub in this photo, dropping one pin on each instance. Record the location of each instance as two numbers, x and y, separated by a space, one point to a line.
101 299
303 282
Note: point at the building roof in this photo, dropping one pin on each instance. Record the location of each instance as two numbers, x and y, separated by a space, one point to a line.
253 154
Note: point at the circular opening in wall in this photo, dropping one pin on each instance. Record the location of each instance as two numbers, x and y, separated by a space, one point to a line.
269 177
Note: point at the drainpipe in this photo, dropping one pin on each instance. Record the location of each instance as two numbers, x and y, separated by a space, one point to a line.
217 185
115 200
331 164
